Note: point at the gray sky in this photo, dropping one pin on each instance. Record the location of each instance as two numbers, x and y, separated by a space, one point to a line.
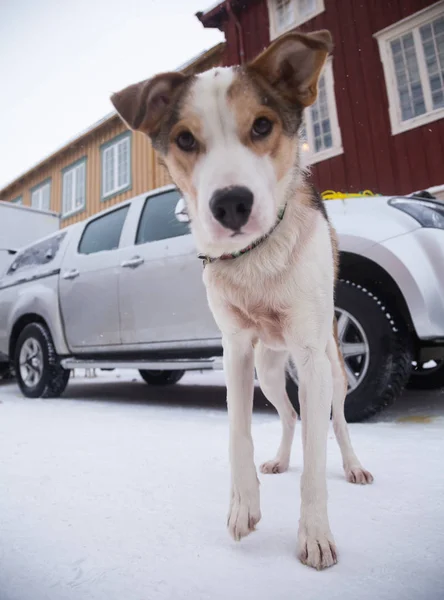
61 59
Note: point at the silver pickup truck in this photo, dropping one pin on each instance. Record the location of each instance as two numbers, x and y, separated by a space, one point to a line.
124 290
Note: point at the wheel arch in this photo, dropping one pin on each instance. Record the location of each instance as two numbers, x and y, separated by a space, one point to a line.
372 277
19 326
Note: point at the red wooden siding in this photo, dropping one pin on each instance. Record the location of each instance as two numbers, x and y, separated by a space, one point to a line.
373 158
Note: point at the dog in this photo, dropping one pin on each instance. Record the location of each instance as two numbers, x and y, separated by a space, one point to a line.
230 140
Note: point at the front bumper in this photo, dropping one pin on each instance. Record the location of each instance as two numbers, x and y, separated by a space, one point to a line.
415 261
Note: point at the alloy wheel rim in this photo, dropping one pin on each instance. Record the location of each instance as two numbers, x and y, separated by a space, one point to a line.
31 362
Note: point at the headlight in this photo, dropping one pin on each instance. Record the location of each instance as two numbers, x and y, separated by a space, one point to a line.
426 212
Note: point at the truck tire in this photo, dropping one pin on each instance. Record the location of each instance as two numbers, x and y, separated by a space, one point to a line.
161 377
427 378
382 363
39 373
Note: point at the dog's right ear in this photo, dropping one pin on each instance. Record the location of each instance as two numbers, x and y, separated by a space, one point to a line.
142 105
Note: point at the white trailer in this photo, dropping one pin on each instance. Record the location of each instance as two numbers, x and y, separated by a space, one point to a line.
20 226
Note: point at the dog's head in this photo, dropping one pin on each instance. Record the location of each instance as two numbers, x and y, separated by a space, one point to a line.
229 136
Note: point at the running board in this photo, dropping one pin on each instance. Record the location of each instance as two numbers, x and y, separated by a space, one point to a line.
150 365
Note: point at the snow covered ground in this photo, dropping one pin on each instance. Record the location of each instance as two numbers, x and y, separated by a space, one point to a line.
120 492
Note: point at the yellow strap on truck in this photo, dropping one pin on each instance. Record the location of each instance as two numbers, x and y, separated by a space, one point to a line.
331 195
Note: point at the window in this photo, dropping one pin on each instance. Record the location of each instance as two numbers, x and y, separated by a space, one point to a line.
321 134
287 14
41 196
158 220
103 233
412 54
284 13
116 165
18 200
74 188
41 253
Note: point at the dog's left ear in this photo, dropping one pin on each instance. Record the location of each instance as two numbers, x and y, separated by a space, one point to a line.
293 63
142 105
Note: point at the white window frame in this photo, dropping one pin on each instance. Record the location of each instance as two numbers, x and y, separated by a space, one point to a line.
112 146
275 31
308 157
72 169
410 24
39 190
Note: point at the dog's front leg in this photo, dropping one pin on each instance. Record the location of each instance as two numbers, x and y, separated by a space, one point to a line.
244 510
316 546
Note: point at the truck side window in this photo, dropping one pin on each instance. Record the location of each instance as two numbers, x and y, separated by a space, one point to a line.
158 221
103 233
41 253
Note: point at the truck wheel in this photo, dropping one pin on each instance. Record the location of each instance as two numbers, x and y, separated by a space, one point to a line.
37 368
161 377
427 376
376 349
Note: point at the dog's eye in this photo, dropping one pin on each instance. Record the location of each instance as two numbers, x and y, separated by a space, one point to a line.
261 127
186 141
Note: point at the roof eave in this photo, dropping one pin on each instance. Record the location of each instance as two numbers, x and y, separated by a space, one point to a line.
213 17
103 122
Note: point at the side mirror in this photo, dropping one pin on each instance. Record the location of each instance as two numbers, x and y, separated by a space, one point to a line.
181 212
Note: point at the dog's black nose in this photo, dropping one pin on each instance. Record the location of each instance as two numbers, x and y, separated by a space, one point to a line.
231 206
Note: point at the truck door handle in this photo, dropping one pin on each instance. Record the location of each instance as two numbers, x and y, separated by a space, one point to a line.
71 274
133 263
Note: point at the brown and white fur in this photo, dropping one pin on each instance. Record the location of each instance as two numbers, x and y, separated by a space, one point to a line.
277 299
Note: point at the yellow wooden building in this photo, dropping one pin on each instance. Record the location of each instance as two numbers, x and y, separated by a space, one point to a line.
102 166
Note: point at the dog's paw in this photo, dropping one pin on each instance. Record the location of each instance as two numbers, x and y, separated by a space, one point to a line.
316 547
358 475
244 513
274 466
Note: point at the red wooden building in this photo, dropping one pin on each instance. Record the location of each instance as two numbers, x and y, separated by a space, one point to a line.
378 122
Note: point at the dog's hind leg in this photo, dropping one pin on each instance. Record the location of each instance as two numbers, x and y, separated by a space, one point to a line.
354 471
270 368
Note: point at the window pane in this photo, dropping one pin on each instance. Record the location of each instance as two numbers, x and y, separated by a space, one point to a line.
123 163
306 7
426 32
405 63
407 42
326 126
103 233
79 199
432 37
396 47
158 221
320 119
46 199
438 26
108 170
35 199
284 13
67 192
41 197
